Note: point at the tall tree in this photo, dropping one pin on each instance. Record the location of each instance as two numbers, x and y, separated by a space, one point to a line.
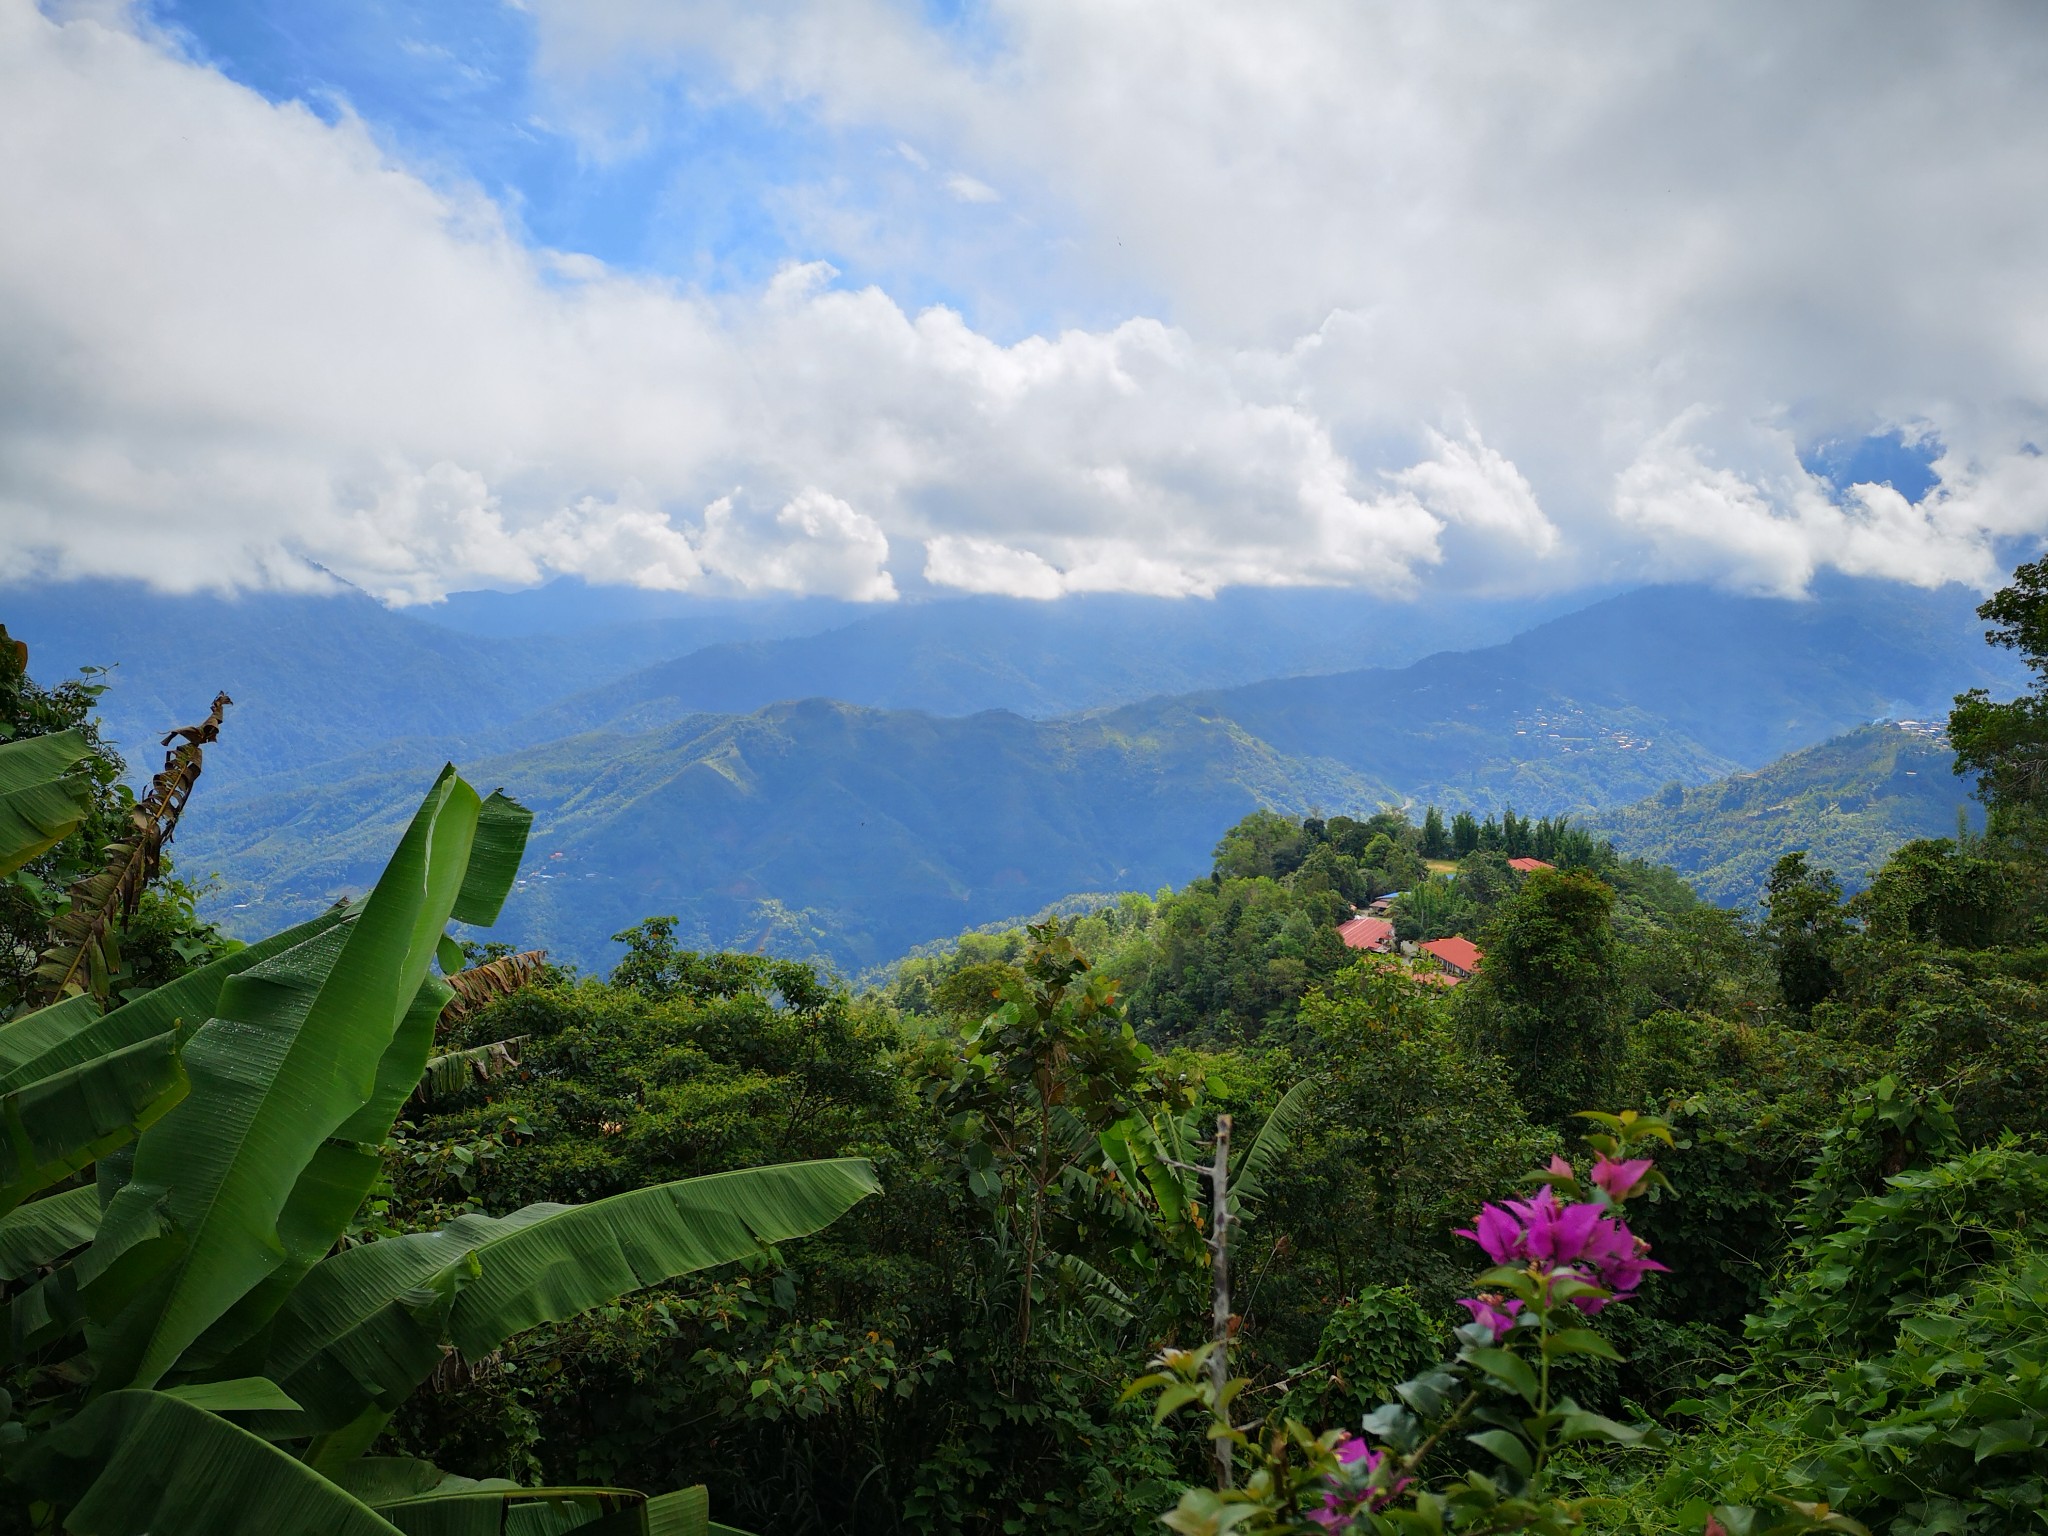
2006 745
1436 843
1804 926
1548 997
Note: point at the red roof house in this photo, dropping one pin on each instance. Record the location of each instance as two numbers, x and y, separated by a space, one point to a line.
1460 957
1368 933
1529 866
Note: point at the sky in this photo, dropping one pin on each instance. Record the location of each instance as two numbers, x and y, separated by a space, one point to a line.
882 299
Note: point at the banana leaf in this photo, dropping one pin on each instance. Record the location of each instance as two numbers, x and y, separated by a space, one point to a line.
1248 1182
41 800
369 1324
291 1056
502 824
686 1512
521 1512
141 1463
44 1230
60 1124
247 1394
37 1044
333 1187
452 1071
381 1480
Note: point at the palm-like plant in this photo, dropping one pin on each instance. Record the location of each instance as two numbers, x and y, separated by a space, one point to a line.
209 1362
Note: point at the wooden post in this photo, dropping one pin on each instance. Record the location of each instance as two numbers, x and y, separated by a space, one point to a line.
1219 1270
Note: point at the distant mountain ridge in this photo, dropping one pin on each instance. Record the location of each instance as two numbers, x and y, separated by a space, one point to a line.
317 677
855 832
1848 803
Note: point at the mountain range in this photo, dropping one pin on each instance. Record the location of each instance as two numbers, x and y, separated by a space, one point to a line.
711 786
1847 803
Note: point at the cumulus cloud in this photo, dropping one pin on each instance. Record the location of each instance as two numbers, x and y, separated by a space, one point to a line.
1445 294
816 543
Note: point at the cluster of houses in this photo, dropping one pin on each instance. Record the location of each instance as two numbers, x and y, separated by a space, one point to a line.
1447 961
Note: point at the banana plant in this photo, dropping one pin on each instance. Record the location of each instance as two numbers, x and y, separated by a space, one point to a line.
1157 1158
41 798
223 1368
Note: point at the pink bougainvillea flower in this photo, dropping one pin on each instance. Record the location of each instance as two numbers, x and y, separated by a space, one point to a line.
1556 1233
1584 1240
1498 1315
1621 1179
1560 1169
1620 1258
1351 1496
1499 1233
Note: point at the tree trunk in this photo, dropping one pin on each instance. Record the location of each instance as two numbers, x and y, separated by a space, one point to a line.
1219 1271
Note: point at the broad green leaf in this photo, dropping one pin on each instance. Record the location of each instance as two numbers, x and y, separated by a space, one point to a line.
2003 1436
43 1312
60 1124
686 1512
137 1462
41 800
44 1230
520 1512
332 1450
37 1044
1507 1369
245 1394
1506 1445
1578 1341
290 1057
501 827
27 1037
1580 1424
340 1175
368 1324
1247 1185
380 1480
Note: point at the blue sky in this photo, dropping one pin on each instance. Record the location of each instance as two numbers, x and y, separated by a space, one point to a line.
716 189
877 298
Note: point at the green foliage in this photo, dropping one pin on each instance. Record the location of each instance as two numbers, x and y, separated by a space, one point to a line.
226 1303
1805 928
1547 1000
1847 802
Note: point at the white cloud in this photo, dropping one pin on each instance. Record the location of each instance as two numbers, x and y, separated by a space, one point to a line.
817 543
1438 290
1708 520
983 565
967 190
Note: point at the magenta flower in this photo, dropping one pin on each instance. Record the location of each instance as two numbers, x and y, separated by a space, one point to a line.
1583 1240
1621 1179
1560 1169
1558 1233
1499 1233
1353 1494
1496 1314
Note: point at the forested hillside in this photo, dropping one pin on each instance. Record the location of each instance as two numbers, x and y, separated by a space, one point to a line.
1021 1234
853 834
1848 802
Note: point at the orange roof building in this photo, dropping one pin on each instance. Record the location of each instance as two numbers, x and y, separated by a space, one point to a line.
1374 933
1460 957
1529 866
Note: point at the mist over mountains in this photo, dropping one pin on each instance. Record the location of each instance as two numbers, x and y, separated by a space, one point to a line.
819 779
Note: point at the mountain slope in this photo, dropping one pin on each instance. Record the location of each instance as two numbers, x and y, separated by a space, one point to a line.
817 825
1848 802
1576 712
962 656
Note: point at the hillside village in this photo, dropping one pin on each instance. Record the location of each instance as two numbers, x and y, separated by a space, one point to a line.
1442 961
